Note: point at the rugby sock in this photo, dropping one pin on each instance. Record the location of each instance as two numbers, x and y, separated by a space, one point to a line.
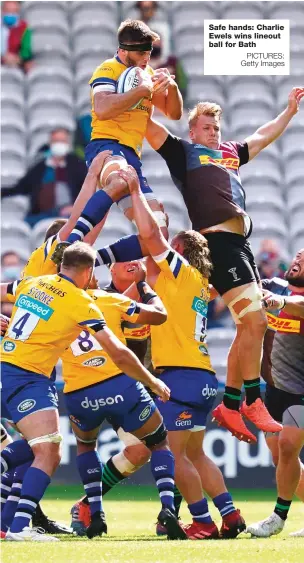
282 507
15 454
200 511
232 398
14 497
252 390
123 250
35 482
6 485
94 211
162 467
110 476
177 500
90 470
224 504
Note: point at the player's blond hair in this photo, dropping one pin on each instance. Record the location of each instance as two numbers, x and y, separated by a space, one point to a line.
204 108
196 251
78 256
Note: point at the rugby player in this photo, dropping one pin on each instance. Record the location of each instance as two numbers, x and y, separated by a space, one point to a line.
206 172
122 130
180 274
47 315
285 396
95 389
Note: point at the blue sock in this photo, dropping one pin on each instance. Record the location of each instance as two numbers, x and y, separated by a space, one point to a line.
90 470
224 504
14 496
35 482
200 512
94 211
6 485
15 454
123 250
162 467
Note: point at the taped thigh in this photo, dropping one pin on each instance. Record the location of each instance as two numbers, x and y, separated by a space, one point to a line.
54 438
127 438
251 293
112 166
294 416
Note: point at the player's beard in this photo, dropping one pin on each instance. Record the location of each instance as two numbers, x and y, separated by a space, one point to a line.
295 281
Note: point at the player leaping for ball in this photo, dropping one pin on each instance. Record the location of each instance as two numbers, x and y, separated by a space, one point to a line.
121 129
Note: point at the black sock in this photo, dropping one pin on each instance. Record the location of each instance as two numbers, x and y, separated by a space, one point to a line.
252 390
110 477
177 500
232 398
282 507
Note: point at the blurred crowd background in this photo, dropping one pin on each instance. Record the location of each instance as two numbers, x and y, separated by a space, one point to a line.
49 51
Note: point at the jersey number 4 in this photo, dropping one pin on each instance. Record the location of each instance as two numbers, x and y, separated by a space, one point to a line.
23 325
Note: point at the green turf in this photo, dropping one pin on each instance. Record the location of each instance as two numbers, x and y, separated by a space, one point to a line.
131 513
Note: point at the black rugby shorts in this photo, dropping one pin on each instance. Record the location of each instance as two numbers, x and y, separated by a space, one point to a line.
278 401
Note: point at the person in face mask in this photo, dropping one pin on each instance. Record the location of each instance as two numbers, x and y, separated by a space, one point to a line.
16 38
54 181
11 266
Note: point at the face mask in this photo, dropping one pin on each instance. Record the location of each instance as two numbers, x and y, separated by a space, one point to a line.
59 149
11 273
10 19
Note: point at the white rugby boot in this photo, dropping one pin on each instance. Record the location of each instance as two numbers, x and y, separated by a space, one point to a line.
298 534
271 526
29 534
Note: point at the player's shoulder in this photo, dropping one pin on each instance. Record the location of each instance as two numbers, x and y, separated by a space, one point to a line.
113 298
110 68
231 146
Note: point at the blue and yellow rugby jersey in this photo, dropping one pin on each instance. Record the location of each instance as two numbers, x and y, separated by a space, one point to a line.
128 128
85 362
181 340
48 314
40 263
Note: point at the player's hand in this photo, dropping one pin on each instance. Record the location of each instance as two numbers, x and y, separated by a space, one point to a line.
162 79
98 162
4 321
271 301
145 83
130 176
294 99
160 389
140 272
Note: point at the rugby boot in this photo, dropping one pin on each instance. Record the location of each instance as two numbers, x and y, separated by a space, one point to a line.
29 534
2 535
232 420
98 525
40 520
81 517
259 415
201 531
162 530
298 534
169 521
58 252
232 525
271 526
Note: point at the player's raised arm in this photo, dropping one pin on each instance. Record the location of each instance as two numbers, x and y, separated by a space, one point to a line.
273 129
167 97
151 310
129 364
291 304
156 134
146 223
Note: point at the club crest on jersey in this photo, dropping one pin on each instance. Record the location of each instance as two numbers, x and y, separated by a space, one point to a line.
9 346
145 413
26 405
95 362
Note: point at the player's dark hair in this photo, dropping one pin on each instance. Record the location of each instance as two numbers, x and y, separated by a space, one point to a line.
79 256
196 251
135 31
54 228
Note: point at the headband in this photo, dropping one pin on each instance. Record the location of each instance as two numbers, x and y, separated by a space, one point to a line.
136 46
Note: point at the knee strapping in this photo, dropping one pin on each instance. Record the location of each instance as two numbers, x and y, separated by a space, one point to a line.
111 167
54 438
156 437
127 438
251 293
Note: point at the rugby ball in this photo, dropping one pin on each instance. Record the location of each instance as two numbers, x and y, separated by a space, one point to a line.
129 79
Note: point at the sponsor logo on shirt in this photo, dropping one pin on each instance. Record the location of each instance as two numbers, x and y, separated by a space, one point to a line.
95 362
26 405
34 306
283 325
199 306
233 163
9 346
97 403
209 391
184 419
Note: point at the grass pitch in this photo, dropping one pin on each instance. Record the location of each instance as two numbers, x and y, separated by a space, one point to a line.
131 513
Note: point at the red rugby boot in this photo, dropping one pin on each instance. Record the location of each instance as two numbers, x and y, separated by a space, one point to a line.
232 420
259 415
201 531
232 525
